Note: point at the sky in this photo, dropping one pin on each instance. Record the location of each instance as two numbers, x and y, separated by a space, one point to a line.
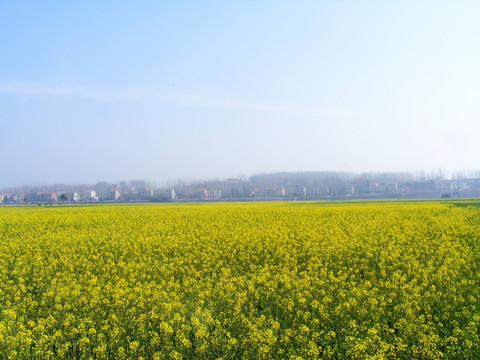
165 90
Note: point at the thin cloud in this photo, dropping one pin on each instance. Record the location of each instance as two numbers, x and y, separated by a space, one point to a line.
145 96
34 89
199 100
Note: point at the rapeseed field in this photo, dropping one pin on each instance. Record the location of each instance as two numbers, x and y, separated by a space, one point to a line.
393 280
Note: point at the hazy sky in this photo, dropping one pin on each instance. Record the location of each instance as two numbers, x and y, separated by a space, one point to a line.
162 90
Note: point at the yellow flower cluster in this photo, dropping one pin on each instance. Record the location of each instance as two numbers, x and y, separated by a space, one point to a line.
240 281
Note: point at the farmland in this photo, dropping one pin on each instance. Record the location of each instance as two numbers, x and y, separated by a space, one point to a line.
241 281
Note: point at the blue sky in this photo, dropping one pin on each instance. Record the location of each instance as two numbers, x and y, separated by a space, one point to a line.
113 90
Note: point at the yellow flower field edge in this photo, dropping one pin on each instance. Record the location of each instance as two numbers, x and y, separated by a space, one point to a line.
240 281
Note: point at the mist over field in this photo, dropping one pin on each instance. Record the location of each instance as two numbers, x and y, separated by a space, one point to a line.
198 91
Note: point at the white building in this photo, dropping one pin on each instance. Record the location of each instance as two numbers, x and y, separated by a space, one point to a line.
459 186
145 192
350 189
269 192
114 195
209 194
89 195
71 196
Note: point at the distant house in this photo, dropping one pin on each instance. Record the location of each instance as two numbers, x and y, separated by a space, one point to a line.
391 187
167 195
209 194
269 192
43 198
145 193
386 188
350 189
89 195
375 188
300 192
213 194
459 186
71 196
114 195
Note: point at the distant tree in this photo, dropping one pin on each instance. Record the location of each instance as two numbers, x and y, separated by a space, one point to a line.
63 197
361 184
123 186
138 184
103 187
26 199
